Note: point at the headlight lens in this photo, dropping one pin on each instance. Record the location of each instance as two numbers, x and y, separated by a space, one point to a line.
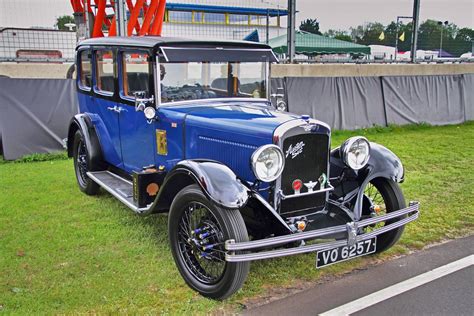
355 152
267 163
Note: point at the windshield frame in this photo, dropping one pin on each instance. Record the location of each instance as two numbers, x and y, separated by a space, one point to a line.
163 104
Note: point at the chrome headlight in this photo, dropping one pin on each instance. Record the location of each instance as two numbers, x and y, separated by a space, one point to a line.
355 152
267 163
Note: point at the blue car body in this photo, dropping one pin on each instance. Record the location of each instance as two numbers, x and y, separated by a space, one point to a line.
147 148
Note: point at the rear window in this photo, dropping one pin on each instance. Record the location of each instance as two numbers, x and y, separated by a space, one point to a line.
85 71
105 71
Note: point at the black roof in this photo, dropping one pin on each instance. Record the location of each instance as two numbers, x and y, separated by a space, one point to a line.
158 41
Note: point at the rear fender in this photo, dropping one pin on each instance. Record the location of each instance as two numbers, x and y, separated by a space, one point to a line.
83 123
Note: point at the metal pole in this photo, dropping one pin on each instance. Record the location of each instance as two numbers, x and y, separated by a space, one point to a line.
268 26
396 39
86 18
398 29
121 18
416 17
441 41
291 30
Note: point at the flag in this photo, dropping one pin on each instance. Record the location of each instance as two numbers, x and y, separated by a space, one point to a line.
382 36
402 37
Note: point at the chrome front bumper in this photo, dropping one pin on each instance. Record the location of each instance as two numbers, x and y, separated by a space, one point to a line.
352 230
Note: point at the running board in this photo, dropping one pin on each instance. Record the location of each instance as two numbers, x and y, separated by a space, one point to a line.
120 188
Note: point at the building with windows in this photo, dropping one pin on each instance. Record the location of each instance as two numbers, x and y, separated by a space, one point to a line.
251 20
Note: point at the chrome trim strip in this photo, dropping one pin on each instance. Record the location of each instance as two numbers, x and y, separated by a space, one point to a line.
287 126
283 252
231 245
254 100
381 218
164 54
115 194
284 197
279 132
156 69
232 49
315 247
275 241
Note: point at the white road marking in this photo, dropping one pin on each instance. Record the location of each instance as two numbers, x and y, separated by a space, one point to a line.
401 287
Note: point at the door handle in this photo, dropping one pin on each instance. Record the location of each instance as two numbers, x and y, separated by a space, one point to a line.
116 109
119 109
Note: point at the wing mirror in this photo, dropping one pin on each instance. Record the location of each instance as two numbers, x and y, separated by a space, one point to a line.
145 105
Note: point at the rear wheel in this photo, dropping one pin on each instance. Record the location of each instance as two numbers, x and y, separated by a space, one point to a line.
197 232
388 197
82 165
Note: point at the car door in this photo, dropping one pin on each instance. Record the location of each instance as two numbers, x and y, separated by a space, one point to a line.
136 133
106 107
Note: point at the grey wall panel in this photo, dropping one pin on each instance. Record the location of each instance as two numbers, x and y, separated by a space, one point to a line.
435 100
276 83
316 97
362 101
468 87
1 145
342 102
35 114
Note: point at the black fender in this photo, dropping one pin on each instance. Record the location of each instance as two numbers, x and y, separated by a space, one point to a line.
383 163
83 123
217 181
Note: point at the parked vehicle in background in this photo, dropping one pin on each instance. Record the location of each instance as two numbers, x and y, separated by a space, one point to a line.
186 127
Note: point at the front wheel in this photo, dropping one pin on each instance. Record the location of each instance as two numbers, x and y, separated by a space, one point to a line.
388 197
197 232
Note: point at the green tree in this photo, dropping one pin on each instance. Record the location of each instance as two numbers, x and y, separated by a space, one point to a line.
311 26
338 34
62 21
368 34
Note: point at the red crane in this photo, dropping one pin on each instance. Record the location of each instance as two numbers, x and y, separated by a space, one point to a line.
151 13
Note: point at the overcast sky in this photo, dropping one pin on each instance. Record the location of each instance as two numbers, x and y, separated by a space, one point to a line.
332 14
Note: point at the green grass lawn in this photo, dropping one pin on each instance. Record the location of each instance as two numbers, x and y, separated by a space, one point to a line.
64 252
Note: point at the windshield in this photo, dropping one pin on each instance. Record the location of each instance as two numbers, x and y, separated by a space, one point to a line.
203 80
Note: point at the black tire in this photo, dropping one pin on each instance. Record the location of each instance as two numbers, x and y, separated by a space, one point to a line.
388 195
82 165
192 211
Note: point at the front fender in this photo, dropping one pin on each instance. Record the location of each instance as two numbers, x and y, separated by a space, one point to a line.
383 163
217 181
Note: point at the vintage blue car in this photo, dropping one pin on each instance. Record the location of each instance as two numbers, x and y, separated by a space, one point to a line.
187 127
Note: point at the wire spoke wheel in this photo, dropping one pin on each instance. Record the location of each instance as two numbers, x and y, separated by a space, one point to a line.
377 205
198 229
81 161
83 164
382 196
201 243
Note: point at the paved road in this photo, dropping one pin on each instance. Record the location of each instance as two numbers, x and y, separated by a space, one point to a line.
451 294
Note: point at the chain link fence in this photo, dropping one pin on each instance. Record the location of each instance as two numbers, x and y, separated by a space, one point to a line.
256 20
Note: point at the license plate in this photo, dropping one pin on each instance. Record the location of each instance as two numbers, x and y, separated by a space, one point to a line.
343 253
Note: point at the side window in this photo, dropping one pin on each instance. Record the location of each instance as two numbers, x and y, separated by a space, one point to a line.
105 70
135 73
85 71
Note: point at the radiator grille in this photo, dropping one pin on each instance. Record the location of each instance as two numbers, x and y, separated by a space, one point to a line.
306 159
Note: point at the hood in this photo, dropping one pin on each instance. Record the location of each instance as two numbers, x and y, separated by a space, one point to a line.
253 120
229 132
